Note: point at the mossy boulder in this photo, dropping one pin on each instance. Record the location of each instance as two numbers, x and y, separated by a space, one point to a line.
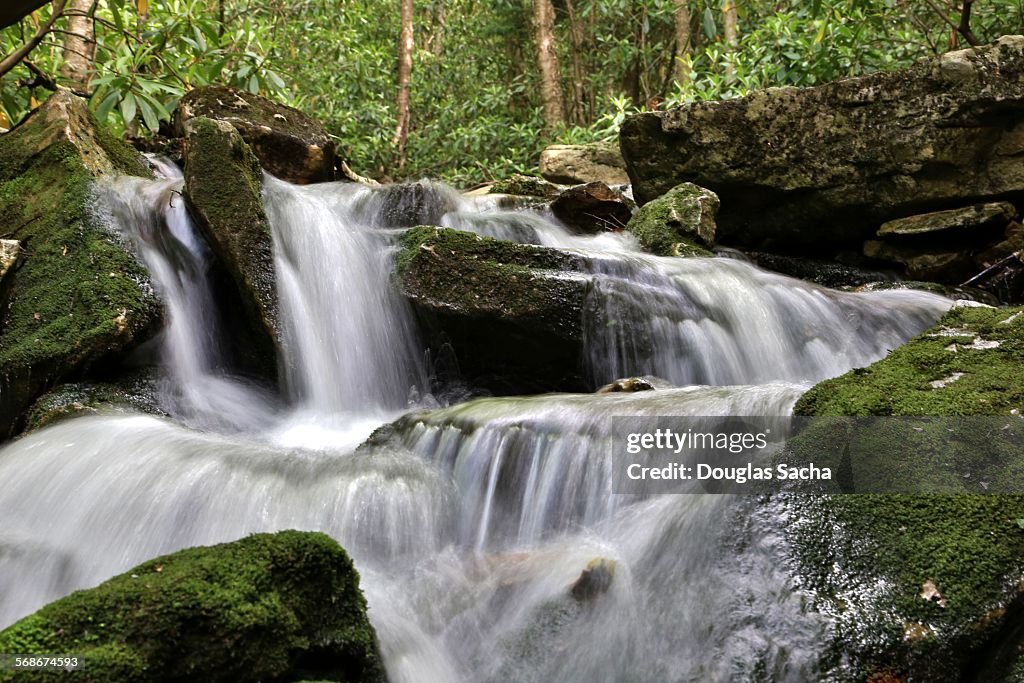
270 607
133 393
679 223
526 186
223 186
510 313
921 586
983 346
810 169
288 143
80 298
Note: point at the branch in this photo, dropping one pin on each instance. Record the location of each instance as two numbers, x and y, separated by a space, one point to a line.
965 24
42 79
13 59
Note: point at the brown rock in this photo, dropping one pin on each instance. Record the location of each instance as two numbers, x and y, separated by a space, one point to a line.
592 208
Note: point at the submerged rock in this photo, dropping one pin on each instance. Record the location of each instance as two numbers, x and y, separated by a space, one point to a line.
282 606
629 385
510 313
223 186
595 580
576 164
815 168
592 208
923 585
679 223
406 205
833 274
288 143
80 298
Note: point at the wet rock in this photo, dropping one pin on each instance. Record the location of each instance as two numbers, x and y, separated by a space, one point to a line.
592 208
919 583
80 298
811 169
289 144
826 273
223 186
628 385
954 293
595 580
134 393
576 164
526 186
281 606
997 214
947 265
510 314
679 223
406 205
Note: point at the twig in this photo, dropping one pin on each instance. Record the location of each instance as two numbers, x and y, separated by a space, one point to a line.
13 59
998 264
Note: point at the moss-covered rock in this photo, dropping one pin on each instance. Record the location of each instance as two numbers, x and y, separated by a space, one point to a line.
679 223
922 587
812 168
132 393
511 313
983 346
288 143
80 298
223 186
270 607
526 186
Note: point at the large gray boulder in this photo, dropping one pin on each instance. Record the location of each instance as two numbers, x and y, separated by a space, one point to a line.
813 168
578 164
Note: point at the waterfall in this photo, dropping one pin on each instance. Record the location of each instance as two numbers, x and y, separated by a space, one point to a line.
469 523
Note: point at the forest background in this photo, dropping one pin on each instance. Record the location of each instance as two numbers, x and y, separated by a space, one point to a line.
465 90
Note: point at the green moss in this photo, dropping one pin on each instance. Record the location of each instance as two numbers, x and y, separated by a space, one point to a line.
223 185
526 186
679 223
867 557
268 607
464 271
991 382
81 293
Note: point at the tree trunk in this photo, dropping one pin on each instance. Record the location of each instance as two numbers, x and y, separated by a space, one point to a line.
405 48
681 68
730 23
579 74
547 62
79 46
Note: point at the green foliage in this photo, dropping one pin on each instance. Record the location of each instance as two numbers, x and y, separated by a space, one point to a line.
475 88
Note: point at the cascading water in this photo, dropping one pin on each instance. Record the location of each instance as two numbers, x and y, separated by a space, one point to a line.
469 523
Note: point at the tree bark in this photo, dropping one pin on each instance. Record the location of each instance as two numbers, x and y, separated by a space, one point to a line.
406 45
681 68
547 63
79 46
730 22
579 74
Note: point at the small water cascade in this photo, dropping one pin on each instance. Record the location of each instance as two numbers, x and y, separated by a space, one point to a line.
468 523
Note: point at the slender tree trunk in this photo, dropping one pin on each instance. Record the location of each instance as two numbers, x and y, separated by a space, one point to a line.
547 62
730 22
405 49
681 68
79 46
435 43
579 73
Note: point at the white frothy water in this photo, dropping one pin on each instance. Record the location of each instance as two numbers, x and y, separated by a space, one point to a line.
468 524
